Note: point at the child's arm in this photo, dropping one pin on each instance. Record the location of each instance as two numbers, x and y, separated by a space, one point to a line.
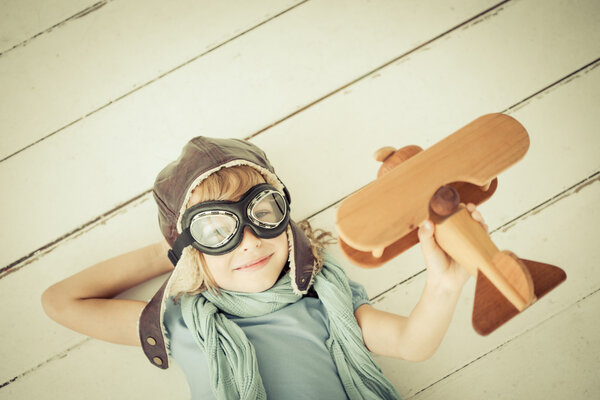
83 302
417 337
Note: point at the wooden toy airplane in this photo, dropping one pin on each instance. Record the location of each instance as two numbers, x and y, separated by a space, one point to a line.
381 220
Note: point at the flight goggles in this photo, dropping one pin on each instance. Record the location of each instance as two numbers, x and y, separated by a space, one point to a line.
217 227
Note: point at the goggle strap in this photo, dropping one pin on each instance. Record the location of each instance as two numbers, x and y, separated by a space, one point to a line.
287 194
183 241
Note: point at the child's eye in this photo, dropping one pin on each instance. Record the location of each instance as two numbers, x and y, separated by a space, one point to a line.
263 213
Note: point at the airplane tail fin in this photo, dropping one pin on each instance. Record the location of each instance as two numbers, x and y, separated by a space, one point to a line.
532 279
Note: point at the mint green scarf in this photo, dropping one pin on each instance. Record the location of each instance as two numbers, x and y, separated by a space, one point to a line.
232 359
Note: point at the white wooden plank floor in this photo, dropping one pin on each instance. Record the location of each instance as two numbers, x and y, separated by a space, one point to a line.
200 98
23 20
95 97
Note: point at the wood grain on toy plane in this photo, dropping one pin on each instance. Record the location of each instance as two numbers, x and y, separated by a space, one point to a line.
396 203
469 193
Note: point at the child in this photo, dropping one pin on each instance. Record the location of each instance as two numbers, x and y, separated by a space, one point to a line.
254 307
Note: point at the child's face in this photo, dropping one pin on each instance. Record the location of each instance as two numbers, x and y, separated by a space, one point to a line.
254 266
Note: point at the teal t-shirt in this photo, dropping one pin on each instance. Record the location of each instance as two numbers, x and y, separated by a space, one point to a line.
293 361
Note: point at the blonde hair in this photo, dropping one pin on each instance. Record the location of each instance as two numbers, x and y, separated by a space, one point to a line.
230 184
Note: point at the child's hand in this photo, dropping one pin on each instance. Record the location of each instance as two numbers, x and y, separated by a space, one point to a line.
442 270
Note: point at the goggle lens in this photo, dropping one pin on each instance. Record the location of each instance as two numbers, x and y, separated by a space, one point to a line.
212 229
267 209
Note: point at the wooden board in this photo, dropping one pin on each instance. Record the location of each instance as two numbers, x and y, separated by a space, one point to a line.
23 20
117 373
547 362
95 60
20 292
92 61
74 162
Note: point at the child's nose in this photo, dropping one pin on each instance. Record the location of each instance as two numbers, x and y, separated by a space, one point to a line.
250 240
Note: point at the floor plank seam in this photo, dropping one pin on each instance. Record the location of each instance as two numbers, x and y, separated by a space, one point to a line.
381 296
155 79
522 103
49 247
548 89
587 296
80 14
574 189
486 14
31 257
56 357
64 353
533 327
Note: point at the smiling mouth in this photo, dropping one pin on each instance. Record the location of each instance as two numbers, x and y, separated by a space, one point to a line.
261 262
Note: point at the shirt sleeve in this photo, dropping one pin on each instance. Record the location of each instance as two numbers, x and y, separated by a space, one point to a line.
359 294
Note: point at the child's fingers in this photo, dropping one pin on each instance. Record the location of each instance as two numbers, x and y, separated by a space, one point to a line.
425 234
425 230
426 239
477 215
